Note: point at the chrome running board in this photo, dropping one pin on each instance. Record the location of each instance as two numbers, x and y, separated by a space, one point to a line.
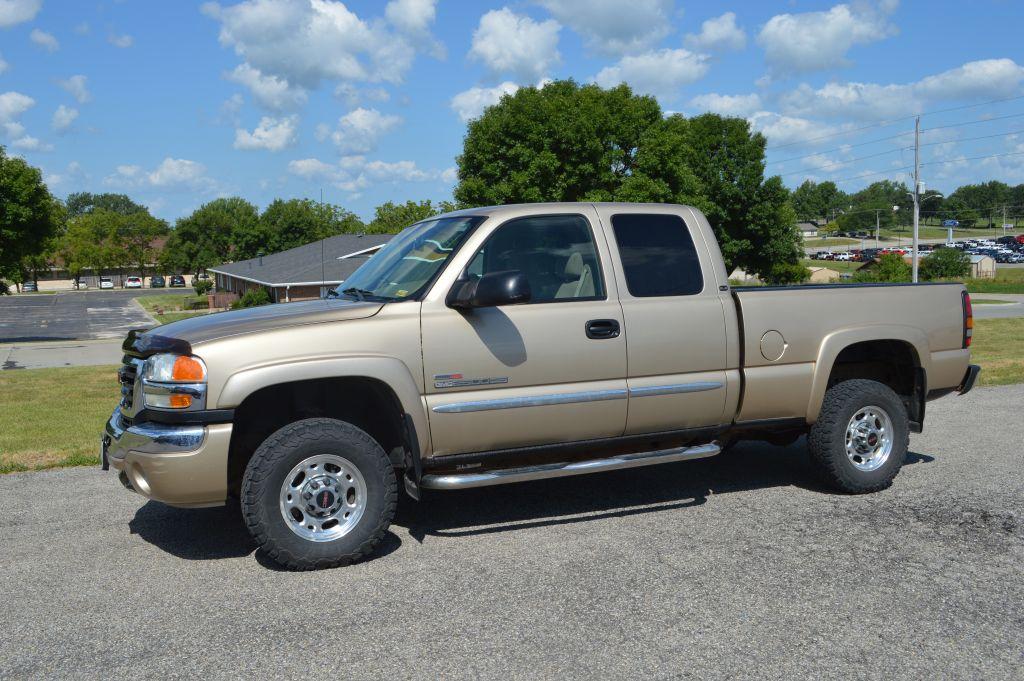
558 470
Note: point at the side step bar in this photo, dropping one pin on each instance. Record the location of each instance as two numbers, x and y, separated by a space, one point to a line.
558 470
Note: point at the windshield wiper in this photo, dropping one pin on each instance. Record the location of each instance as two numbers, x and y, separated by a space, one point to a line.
362 294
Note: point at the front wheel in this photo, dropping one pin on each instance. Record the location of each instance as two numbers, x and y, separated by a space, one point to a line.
860 439
318 493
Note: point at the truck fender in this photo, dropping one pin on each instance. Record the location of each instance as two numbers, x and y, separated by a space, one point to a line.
388 370
837 341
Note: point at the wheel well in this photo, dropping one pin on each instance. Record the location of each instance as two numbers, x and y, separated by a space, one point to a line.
892 362
367 403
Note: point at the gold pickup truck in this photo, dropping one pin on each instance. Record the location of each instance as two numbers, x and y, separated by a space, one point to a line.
511 343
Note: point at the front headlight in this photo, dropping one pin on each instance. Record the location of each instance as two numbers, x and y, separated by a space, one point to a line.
172 381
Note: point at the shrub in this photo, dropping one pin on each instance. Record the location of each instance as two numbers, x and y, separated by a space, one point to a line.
254 297
891 267
202 286
946 263
788 273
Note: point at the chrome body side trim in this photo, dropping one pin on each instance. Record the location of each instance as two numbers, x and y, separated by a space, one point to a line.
539 401
674 389
151 438
557 470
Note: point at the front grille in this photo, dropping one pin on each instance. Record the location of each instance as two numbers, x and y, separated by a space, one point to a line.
126 376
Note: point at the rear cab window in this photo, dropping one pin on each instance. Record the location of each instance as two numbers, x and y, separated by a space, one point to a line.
658 255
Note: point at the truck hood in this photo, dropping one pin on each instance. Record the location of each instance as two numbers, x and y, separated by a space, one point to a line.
179 336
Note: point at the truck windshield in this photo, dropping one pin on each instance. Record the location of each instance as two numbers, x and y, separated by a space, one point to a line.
406 265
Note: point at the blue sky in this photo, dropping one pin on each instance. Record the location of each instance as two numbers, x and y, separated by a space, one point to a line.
176 103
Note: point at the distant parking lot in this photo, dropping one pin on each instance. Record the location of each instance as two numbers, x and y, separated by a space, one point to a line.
75 315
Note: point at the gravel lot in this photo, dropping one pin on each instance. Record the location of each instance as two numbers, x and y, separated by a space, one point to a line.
739 566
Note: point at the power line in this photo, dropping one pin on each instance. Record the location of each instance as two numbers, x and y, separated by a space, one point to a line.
890 121
929 163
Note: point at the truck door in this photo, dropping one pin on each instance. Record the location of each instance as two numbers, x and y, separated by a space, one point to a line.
676 352
549 371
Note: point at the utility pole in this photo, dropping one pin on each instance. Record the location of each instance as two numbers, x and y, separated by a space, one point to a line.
917 188
876 227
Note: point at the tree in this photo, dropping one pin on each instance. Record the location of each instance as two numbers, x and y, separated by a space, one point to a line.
80 203
391 218
29 215
946 263
891 267
79 249
815 201
567 142
207 237
287 224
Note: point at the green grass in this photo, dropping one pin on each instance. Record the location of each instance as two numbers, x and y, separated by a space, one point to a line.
54 417
838 266
1007 280
168 307
998 346
990 301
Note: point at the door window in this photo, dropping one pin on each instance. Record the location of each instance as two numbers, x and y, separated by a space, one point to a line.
555 252
658 255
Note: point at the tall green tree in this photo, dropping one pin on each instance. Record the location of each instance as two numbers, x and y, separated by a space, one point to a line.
391 218
567 142
30 217
817 200
946 263
287 224
80 203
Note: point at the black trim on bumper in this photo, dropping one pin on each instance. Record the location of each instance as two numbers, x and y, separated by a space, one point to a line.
183 418
969 378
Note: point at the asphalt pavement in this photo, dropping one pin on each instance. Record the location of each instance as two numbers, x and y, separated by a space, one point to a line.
73 315
737 566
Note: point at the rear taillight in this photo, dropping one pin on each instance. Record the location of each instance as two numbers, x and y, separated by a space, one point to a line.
968 319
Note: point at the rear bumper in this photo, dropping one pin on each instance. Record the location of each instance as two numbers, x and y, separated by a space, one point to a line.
180 465
969 378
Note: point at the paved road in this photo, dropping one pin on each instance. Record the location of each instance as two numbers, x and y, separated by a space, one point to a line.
739 566
72 315
1014 306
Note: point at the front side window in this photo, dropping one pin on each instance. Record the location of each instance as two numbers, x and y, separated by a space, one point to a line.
555 252
658 255
407 264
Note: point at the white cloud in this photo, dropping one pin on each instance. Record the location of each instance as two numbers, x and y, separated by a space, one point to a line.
44 40
727 105
270 91
122 41
780 129
353 95
812 41
506 42
310 168
82 28
13 104
985 79
359 130
396 171
450 175
14 12
718 34
29 143
63 117
660 73
3 64
176 171
413 18
609 28
129 171
470 103
76 87
272 134
294 45
353 174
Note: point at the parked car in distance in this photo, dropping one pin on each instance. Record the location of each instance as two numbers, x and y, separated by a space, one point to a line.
105 282
489 346
843 257
157 281
133 282
80 286
202 276
29 287
177 281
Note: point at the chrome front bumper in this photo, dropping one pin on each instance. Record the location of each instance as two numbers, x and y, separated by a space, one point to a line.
180 465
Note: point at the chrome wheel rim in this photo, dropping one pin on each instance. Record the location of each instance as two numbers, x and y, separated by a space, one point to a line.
869 438
323 498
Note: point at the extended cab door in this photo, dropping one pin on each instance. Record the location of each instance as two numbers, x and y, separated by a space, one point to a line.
674 311
549 371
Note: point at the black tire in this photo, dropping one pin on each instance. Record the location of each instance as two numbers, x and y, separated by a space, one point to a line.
827 438
275 459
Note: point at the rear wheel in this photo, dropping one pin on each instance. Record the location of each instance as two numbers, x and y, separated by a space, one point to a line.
318 493
860 439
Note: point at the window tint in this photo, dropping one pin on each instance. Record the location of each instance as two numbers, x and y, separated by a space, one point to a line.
658 255
555 252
